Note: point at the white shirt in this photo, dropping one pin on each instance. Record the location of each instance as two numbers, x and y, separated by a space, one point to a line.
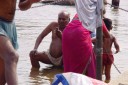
89 13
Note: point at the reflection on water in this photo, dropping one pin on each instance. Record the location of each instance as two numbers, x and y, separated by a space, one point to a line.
115 12
43 76
30 23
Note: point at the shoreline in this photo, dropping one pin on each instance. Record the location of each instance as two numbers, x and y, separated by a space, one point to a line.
122 79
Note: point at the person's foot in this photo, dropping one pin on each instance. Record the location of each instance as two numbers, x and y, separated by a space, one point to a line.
107 81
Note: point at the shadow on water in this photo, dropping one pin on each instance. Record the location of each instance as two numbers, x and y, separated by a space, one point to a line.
44 76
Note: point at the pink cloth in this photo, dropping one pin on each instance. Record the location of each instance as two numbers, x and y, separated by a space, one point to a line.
105 30
77 49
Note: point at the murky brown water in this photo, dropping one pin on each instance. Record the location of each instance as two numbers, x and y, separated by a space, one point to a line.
30 24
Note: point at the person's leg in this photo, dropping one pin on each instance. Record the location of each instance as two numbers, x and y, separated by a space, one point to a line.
10 58
40 56
105 2
2 73
103 69
115 3
107 73
34 62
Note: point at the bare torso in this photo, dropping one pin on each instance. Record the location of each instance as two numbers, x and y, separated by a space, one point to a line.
107 44
55 46
7 12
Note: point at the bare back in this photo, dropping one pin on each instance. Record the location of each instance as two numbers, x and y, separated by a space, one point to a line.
107 44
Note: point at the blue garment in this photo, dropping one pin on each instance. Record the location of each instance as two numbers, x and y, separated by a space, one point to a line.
59 78
93 34
8 29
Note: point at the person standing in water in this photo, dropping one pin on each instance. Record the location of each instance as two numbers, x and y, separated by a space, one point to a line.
107 55
8 40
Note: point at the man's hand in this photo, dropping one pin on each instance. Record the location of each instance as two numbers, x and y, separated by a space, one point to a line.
33 52
116 51
59 33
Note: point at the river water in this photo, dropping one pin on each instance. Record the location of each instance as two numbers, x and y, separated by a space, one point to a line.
30 23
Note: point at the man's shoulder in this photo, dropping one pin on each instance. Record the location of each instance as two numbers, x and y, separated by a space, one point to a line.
53 25
112 36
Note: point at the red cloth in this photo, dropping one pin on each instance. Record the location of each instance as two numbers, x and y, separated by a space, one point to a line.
77 49
107 59
105 30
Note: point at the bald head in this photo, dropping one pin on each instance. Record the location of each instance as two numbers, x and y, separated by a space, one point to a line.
63 19
65 13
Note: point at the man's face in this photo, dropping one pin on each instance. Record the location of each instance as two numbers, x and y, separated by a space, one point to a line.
63 20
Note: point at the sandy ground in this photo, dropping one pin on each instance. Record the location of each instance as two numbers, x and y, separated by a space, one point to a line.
122 79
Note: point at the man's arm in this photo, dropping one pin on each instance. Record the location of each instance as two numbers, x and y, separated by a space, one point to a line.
44 33
93 39
26 4
116 45
59 33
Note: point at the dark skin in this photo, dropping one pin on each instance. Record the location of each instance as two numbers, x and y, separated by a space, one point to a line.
8 55
55 49
107 49
8 14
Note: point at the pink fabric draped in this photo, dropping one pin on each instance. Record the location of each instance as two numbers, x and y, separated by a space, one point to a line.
77 49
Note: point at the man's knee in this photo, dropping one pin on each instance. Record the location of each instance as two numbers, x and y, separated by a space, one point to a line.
31 55
12 57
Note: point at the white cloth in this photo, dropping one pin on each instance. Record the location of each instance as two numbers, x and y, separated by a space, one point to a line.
71 78
89 13
55 61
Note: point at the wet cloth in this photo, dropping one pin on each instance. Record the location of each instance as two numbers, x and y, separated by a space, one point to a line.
107 59
77 49
71 78
89 12
55 61
8 29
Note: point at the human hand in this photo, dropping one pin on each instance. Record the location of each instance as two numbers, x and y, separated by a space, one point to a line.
116 51
58 33
33 52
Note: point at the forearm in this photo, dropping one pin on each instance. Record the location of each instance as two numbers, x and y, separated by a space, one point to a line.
60 36
59 33
38 41
93 39
26 4
117 49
